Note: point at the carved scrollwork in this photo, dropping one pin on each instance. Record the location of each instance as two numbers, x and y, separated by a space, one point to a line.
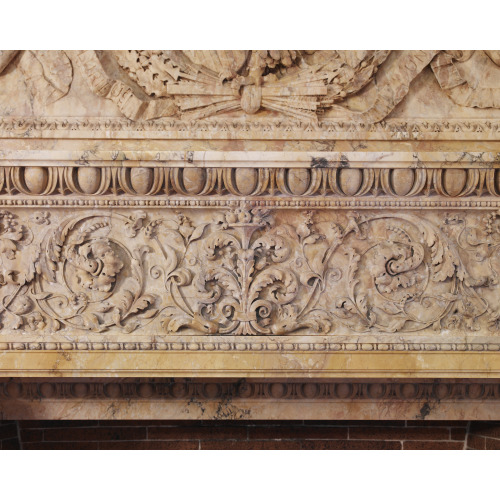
247 271
80 275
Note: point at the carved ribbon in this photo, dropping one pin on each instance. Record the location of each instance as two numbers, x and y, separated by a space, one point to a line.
459 88
394 83
132 106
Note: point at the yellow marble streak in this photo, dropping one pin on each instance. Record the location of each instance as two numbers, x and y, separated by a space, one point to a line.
249 364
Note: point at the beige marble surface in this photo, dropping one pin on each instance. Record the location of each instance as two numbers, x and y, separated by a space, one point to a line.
249 213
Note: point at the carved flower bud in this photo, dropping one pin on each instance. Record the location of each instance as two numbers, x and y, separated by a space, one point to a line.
40 218
245 216
303 230
231 217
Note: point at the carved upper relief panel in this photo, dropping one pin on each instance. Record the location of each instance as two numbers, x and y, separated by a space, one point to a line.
307 85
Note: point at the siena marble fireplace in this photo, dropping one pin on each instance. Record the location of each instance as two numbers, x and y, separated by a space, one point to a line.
250 234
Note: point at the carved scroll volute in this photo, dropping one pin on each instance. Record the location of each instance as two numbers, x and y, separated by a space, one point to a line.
193 181
246 181
87 180
141 181
35 180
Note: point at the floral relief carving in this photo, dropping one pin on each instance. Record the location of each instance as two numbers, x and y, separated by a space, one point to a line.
249 271
244 288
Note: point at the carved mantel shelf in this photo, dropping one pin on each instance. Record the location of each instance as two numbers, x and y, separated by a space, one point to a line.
329 218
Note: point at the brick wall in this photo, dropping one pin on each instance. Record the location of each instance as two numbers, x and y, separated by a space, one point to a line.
484 436
166 435
8 435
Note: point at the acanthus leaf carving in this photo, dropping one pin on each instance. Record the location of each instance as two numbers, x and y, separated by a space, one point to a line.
247 271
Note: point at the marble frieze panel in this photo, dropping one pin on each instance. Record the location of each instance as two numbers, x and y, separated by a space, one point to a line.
249 214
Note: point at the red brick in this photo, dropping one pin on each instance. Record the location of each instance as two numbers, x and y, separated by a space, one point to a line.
436 423
8 431
492 444
51 424
237 423
31 436
488 429
458 434
96 434
185 434
367 423
397 433
150 445
274 422
294 432
340 444
137 423
476 442
433 445
197 432
10 444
